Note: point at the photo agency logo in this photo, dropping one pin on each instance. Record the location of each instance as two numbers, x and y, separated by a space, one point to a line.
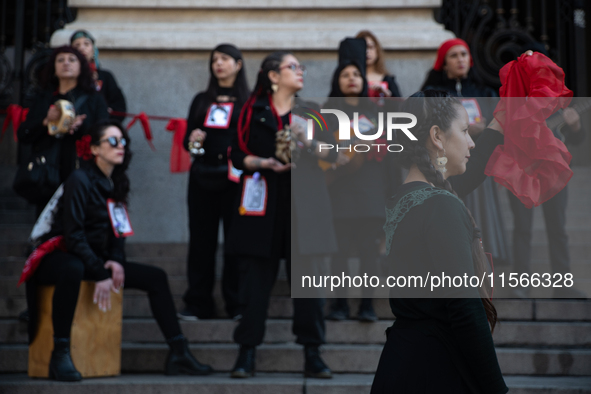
355 135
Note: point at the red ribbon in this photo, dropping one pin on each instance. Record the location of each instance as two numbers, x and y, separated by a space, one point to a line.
143 118
55 243
15 114
180 160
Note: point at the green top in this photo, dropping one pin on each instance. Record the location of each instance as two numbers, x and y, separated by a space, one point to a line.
429 230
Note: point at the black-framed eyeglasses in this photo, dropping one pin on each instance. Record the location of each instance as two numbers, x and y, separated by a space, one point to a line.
114 141
294 67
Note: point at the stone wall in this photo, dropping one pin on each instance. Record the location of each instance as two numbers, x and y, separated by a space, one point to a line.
158 51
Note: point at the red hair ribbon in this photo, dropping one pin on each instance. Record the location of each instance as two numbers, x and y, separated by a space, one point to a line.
180 160
15 114
532 163
55 243
446 46
143 118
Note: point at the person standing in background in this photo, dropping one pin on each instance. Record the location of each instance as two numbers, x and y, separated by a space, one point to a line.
104 81
212 122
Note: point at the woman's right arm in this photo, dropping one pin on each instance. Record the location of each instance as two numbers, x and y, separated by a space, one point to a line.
75 198
192 119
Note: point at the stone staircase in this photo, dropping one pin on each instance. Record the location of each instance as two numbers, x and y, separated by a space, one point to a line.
543 346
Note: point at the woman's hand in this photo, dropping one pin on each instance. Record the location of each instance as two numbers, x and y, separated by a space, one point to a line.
477 128
102 294
118 274
78 120
379 88
273 164
572 119
53 115
342 159
197 135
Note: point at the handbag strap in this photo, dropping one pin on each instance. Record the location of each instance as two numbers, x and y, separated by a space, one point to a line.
80 101
410 200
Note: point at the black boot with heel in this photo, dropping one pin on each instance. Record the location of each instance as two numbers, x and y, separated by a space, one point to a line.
61 366
244 366
181 361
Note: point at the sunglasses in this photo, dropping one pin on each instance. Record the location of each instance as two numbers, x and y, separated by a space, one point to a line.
114 141
294 67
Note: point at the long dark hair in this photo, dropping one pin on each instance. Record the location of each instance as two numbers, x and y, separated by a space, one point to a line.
335 88
119 175
440 108
85 80
240 89
261 89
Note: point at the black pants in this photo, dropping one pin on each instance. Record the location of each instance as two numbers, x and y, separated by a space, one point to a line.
206 207
259 276
358 237
65 271
555 220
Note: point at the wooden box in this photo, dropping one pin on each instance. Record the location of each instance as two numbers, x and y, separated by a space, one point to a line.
95 339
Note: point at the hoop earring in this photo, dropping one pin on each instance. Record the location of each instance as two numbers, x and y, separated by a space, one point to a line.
274 87
441 162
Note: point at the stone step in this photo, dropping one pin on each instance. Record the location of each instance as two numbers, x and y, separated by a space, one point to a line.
17 216
10 233
263 383
514 334
282 307
142 358
10 201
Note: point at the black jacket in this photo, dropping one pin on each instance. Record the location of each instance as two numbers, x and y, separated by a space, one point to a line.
111 92
32 131
83 219
270 235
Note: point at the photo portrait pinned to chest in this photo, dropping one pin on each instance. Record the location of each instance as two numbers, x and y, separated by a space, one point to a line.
119 219
219 115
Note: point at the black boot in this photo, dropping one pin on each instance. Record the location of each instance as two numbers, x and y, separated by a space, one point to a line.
244 366
181 361
366 312
314 366
61 366
339 310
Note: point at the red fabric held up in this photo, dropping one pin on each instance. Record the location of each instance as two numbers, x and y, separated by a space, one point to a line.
532 163
180 160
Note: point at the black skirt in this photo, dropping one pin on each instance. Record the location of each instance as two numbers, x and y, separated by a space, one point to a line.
413 362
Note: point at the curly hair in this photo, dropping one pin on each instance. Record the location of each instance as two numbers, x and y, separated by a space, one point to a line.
441 109
85 80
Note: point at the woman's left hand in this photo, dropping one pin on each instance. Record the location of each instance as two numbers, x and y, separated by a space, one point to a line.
386 92
102 294
118 274
77 123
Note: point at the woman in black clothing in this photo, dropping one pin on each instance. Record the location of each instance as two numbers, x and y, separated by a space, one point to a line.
67 76
381 84
261 228
358 191
454 72
439 345
104 81
212 120
84 228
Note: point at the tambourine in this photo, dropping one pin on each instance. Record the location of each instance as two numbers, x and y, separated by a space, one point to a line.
284 144
68 114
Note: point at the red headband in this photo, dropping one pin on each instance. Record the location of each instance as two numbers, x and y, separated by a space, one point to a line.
446 46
